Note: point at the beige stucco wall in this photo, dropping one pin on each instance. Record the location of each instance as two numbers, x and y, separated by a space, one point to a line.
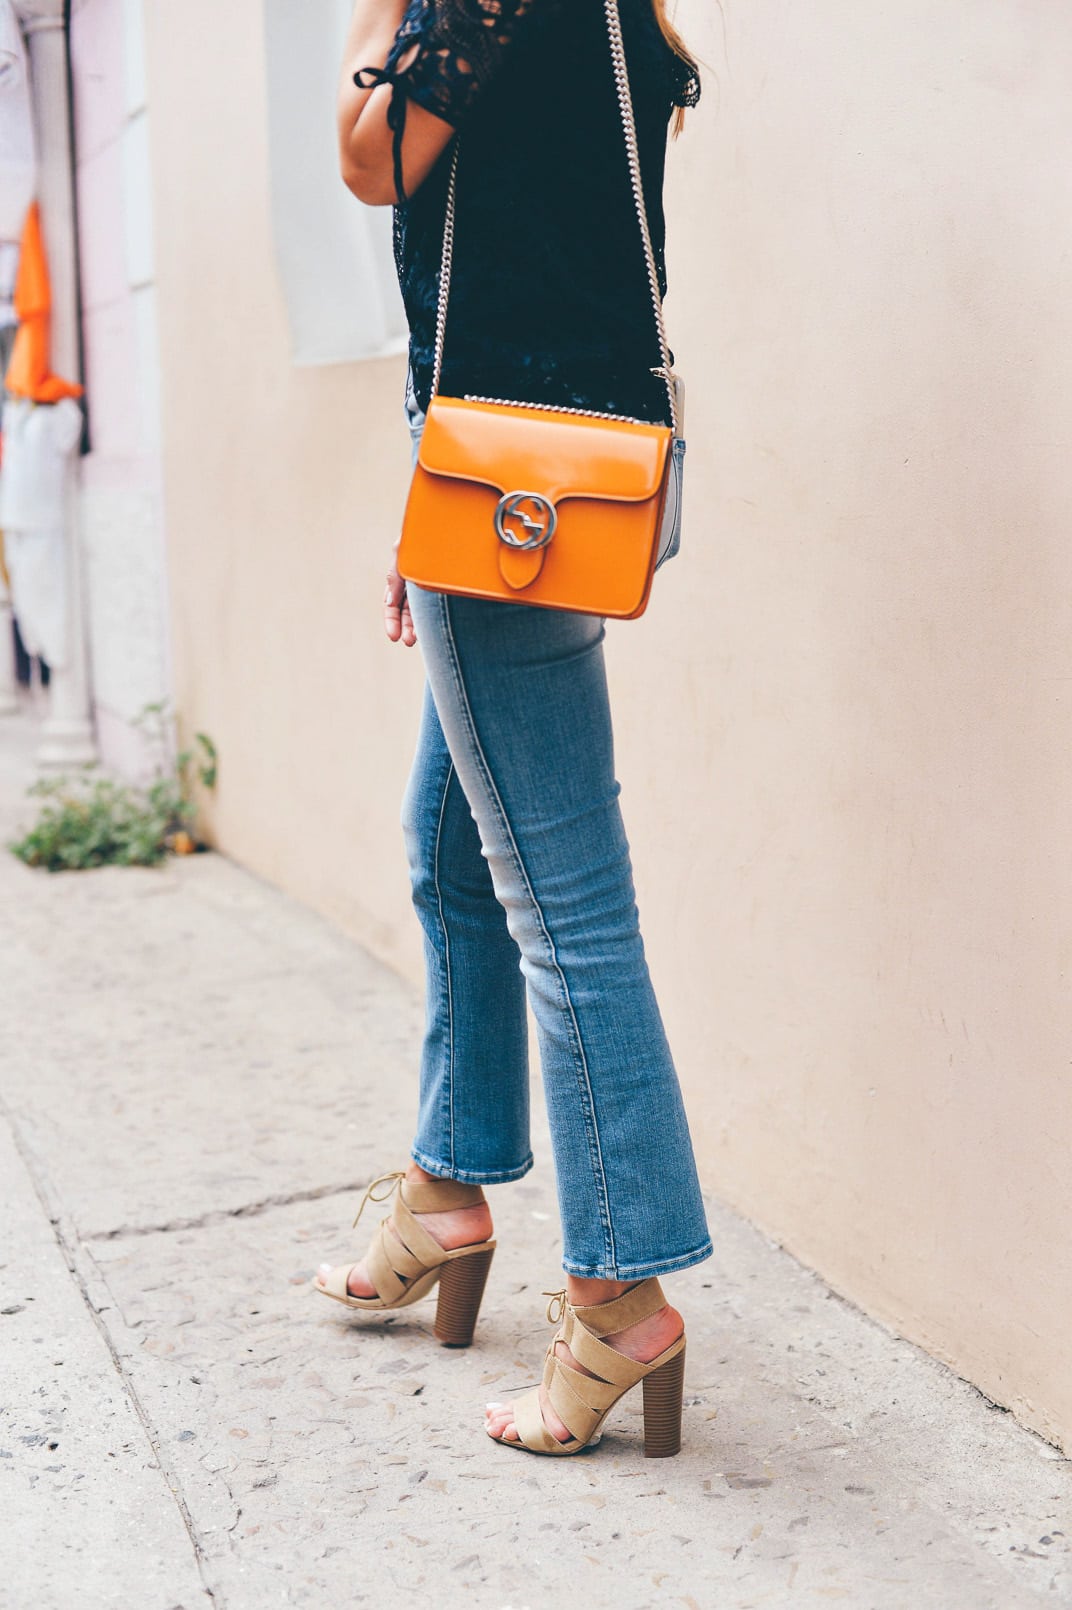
843 724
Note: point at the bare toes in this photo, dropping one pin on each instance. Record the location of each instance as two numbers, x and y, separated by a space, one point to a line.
498 1422
503 1432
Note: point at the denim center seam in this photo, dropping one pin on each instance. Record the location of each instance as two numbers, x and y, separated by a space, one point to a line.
577 1045
446 958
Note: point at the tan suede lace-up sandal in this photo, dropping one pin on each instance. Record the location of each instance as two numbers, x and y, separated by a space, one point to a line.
404 1266
582 1402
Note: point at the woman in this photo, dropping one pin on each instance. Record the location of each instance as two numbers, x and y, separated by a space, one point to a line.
520 865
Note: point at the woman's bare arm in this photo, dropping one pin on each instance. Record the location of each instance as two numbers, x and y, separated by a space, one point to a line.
366 143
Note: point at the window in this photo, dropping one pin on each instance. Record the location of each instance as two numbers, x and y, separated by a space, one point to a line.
333 253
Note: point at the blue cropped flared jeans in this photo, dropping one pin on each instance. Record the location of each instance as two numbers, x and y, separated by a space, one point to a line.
523 886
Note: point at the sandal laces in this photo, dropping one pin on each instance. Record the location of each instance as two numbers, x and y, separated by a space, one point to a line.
390 1180
559 1298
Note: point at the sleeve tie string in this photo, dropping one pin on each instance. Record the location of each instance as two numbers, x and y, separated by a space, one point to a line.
372 78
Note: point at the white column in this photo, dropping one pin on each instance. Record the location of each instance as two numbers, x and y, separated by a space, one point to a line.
67 738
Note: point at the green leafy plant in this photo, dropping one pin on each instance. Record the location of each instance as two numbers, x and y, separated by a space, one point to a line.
91 820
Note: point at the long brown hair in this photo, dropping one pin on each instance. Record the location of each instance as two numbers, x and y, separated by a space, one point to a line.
680 49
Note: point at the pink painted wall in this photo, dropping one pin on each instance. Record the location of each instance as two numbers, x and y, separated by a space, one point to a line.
120 491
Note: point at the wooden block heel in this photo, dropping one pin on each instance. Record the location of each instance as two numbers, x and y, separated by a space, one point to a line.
664 1391
461 1289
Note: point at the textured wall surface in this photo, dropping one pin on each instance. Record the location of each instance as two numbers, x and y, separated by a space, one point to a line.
119 489
843 724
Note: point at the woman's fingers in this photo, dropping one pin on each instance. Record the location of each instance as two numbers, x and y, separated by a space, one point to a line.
409 631
397 620
392 606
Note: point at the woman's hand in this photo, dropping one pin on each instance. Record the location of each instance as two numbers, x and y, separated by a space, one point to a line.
397 620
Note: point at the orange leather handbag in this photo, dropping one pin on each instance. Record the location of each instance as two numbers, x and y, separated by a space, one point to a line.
560 507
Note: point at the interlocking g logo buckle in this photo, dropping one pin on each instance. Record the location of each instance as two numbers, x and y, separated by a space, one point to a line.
525 520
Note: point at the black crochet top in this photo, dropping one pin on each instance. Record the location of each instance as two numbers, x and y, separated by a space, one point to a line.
549 299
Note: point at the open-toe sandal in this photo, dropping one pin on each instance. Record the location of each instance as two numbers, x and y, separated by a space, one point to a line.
404 1262
582 1402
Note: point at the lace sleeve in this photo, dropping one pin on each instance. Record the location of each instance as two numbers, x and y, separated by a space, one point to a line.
454 49
686 85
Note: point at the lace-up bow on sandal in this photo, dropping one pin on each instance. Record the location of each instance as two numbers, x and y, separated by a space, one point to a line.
582 1402
404 1262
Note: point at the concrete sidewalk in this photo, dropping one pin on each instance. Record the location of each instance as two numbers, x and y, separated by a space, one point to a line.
198 1076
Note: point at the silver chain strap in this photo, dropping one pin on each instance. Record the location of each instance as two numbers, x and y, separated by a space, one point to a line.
445 265
583 413
625 104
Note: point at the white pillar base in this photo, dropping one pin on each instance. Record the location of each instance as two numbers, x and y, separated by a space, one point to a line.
65 744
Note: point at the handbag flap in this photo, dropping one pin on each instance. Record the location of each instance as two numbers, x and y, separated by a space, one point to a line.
548 451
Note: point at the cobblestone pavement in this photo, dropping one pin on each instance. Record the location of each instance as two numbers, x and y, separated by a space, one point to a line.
198 1076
